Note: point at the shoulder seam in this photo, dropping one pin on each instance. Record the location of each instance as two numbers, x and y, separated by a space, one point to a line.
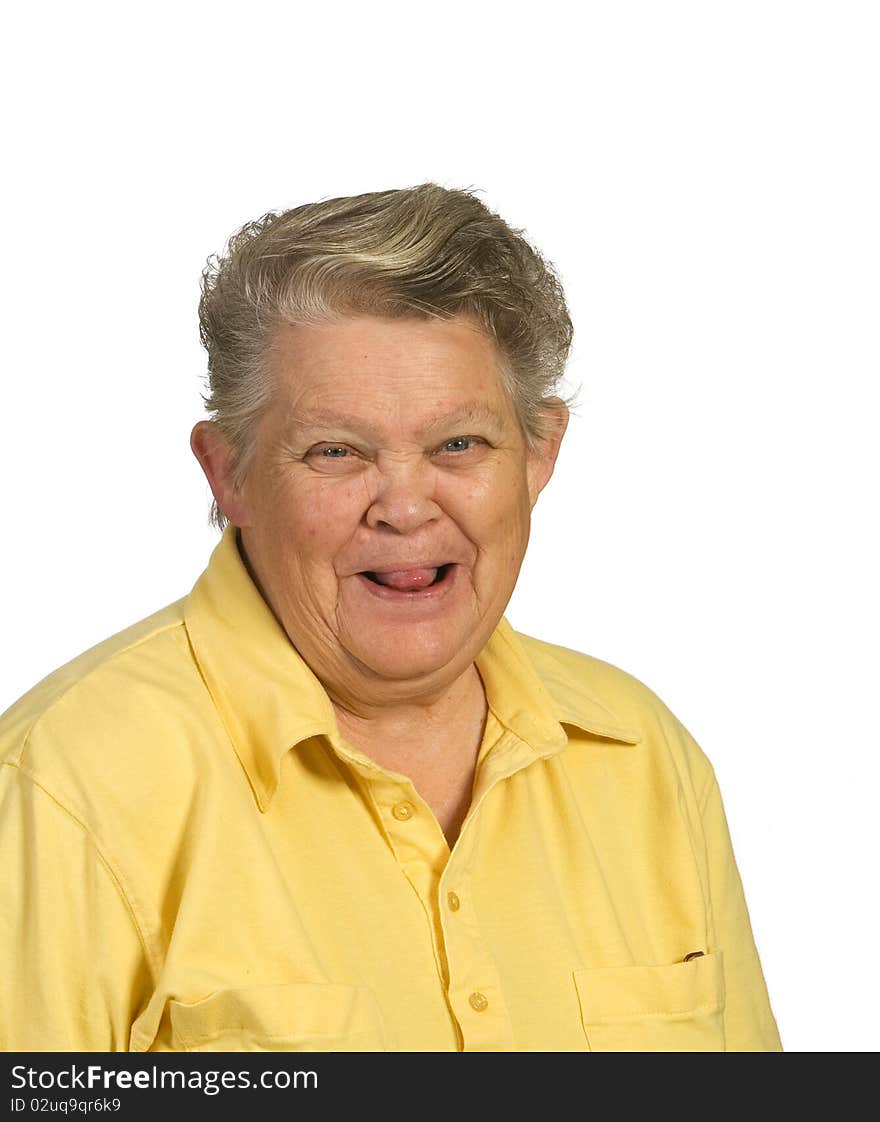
79 681
711 783
114 875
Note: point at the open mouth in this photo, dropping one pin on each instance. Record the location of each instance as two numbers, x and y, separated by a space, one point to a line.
411 581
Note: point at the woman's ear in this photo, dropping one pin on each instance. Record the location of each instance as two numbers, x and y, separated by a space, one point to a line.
214 454
541 462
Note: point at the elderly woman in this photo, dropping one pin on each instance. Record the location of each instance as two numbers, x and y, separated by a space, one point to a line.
331 800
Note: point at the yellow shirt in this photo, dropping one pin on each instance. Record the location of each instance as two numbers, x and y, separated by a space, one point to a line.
193 858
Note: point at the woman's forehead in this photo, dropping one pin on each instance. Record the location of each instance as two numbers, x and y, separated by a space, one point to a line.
371 345
368 373
475 412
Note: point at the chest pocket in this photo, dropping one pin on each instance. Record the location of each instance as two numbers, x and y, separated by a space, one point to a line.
677 1008
298 1017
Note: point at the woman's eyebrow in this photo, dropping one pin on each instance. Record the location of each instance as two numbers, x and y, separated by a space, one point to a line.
476 412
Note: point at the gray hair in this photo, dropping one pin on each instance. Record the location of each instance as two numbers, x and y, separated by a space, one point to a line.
424 251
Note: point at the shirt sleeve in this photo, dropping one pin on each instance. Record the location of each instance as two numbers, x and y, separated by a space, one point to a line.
748 1020
74 969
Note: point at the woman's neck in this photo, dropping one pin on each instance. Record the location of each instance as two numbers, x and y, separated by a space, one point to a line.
444 729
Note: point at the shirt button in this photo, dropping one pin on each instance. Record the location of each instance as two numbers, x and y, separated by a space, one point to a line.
403 811
478 1002
453 901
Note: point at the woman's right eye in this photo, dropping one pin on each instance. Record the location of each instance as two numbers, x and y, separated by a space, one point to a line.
328 452
331 457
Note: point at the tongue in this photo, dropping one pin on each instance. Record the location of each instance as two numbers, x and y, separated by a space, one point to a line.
406 580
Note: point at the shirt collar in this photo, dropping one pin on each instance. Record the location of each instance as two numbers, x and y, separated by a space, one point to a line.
270 700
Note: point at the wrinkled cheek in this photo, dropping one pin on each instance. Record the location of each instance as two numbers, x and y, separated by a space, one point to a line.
502 533
509 511
516 527
366 493
336 507
490 503
314 517
312 593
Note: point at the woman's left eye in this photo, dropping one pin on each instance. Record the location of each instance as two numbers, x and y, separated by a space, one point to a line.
459 444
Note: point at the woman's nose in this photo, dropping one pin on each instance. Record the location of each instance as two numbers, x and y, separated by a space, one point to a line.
403 498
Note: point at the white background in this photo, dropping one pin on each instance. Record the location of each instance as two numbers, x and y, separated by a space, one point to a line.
704 175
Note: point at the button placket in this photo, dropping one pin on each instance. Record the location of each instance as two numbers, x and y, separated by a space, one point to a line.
403 811
474 987
408 826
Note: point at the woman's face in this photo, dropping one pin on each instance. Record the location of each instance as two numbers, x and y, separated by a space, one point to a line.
387 509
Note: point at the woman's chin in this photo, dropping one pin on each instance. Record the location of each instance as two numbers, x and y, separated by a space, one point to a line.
402 654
